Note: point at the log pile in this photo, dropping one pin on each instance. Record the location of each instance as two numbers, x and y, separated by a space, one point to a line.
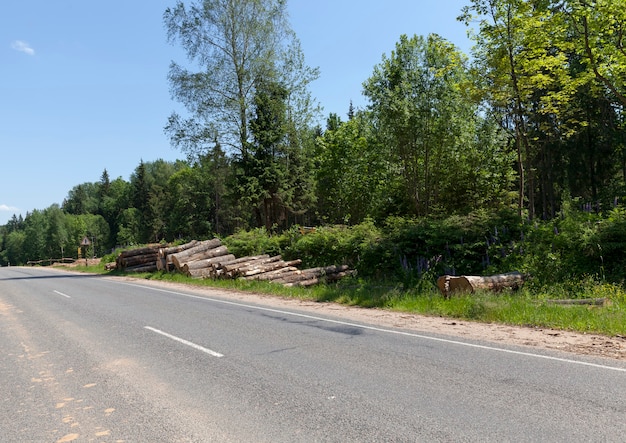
312 276
198 251
211 259
138 260
449 284
164 260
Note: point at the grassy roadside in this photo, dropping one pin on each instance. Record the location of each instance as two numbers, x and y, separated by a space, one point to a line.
524 308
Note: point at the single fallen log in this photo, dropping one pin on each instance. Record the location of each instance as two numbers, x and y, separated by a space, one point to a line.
449 284
580 301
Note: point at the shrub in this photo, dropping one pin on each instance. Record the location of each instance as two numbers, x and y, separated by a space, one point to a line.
254 242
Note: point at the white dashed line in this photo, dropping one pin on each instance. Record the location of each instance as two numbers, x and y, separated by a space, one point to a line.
185 342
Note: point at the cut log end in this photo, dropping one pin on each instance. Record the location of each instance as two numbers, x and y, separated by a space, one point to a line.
449 284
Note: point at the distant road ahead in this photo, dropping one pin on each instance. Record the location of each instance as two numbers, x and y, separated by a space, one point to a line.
90 358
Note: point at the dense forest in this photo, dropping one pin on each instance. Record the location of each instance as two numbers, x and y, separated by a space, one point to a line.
529 129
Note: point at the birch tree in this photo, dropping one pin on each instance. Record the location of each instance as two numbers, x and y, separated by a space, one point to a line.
230 45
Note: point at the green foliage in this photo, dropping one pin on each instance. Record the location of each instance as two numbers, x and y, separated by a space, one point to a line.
254 242
272 173
336 245
350 171
232 44
442 156
551 73
420 183
426 248
129 232
566 253
14 251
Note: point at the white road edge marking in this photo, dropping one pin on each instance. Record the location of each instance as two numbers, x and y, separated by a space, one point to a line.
389 331
60 293
185 342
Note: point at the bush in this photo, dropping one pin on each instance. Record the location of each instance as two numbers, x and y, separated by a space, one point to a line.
254 242
565 252
335 245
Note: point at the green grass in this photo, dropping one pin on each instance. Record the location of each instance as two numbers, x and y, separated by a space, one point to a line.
527 307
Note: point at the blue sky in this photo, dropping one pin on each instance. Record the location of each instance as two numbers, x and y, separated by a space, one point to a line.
83 85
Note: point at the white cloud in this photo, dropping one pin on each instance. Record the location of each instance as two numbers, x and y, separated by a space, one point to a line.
8 208
22 46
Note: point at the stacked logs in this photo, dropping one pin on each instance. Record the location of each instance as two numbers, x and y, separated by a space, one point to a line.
211 259
197 252
164 260
291 276
253 267
138 260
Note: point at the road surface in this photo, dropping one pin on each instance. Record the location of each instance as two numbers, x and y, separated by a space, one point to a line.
91 358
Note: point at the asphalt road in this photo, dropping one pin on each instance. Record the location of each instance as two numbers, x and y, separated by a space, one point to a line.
89 358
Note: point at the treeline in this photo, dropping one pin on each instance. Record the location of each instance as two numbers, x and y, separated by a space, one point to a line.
534 119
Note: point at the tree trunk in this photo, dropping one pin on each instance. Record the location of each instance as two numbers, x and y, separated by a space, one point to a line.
581 301
449 284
